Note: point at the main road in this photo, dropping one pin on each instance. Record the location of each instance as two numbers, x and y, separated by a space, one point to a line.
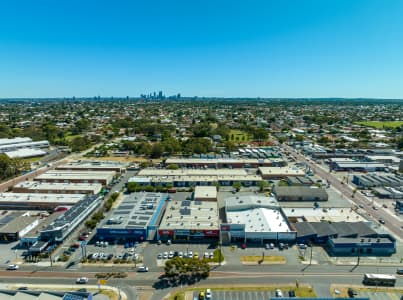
394 226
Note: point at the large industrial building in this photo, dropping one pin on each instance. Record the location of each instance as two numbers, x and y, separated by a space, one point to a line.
13 226
190 220
378 180
300 193
195 177
223 163
37 201
346 164
7 146
135 219
102 177
255 219
280 172
93 166
59 229
57 188
346 238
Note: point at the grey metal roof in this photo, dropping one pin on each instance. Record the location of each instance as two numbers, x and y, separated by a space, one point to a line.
284 191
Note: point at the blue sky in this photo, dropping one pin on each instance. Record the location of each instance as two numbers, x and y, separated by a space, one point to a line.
323 48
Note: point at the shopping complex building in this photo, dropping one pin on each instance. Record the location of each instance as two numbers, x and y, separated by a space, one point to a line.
135 219
256 219
102 177
190 220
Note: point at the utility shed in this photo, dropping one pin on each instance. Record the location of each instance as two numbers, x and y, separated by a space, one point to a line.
300 193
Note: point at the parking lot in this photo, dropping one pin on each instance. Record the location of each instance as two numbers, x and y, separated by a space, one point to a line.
153 250
379 295
241 295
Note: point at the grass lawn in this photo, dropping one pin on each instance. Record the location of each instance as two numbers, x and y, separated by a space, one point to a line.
238 136
270 259
32 159
381 124
69 138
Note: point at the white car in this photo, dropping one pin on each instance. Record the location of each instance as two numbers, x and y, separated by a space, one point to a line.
82 280
206 255
279 293
190 254
165 255
171 254
180 254
95 255
12 267
211 255
142 269
208 294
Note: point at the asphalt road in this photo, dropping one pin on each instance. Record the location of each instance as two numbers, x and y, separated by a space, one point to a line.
393 225
321 277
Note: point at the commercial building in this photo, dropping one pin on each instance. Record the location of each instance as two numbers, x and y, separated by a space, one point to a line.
195 177
57 188
59 229
346 238
190 220
102 177
7 147
16 140
32 237
332 215
300 193
383 159
346 164
299 180
223 163
37 201
135 219
378 180
43 295
399 206
255 219
93 166
25 153
280 172
205 193
16 227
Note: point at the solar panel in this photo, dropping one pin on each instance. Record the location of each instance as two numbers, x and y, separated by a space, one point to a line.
185 203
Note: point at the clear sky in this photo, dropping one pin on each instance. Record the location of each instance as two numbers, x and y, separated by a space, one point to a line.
323 48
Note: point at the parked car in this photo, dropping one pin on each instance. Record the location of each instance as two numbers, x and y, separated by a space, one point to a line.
165 255
159 256
142 269
12 267
243 246
169 242
82 280
302 246
171 254
267 246
399 271
279 293
211 255
208 293
381 221
291 294
206 255
196 255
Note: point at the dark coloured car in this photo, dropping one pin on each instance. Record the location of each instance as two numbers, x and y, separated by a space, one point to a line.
291 294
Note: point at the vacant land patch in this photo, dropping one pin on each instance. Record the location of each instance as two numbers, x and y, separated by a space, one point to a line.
236 135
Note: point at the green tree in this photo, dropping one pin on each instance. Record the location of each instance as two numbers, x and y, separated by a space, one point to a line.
237 186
